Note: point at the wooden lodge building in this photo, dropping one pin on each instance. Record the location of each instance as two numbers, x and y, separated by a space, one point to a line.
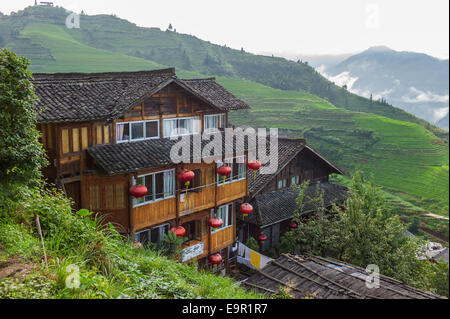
105 132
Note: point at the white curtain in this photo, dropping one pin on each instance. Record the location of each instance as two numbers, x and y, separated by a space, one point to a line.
168 183
170 128
119 131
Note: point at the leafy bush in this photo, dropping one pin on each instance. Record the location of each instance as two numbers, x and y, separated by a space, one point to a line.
21 154
252 244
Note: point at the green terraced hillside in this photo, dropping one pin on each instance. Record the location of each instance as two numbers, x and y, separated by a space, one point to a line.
124 44
403 157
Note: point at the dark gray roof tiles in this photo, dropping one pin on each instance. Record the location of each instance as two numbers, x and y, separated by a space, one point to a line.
276 206
327 278
77 97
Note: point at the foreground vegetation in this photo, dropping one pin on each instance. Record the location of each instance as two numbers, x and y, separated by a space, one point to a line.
77 256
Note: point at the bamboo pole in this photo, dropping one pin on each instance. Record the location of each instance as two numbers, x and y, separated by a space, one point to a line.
38 225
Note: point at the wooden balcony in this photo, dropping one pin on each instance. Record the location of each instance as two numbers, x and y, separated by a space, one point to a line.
194 201
231 191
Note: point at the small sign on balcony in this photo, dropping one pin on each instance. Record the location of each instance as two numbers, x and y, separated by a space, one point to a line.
192 251
182 198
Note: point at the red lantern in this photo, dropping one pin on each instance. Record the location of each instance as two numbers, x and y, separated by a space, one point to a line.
215 259
186 177
215 222
262 238
343 208
224 171
293 225
138 191
246 209
179 231
254 166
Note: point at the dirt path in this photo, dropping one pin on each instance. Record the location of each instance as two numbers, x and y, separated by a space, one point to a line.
14 267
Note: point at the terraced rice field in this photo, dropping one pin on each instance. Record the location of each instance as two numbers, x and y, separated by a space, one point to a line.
402 157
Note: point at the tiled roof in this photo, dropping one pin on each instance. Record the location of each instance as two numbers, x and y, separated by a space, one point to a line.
327 278
287 149
216 94
276 206
134 156
76 97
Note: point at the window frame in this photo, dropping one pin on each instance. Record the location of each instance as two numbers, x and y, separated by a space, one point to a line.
231 180
144 202
225 220
178 127
144 131
213 115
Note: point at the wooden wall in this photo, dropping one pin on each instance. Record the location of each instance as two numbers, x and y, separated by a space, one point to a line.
232 191
107 196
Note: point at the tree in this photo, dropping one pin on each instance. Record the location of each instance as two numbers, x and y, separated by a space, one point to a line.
170 27
366 232
21 155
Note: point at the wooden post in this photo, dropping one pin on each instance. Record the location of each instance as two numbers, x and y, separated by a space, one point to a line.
177 197
130 207
38 225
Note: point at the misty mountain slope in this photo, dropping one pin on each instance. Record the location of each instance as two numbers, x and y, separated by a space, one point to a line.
118 36
416 82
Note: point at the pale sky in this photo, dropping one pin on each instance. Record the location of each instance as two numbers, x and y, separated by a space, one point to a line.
304 27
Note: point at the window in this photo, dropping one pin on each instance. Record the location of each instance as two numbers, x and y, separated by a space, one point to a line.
137 131
74 140
238 170
143 236
160 185
157 233
151 235
214 122
295 180
224 212
181 126
281 183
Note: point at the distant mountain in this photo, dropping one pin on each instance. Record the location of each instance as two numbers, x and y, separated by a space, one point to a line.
314 60
416 82
103 41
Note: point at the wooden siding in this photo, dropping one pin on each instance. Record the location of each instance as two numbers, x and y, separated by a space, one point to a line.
107 196
231 191
223 238
152 214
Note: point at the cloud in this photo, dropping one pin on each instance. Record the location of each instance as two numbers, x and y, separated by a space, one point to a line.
341 79
440 113
414 95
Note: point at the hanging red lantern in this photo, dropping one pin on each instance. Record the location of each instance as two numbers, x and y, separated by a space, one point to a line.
186 178
215 222
179 231
254 166
215 259
138 191
343 208
262 238
293 225
246 209
224 171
